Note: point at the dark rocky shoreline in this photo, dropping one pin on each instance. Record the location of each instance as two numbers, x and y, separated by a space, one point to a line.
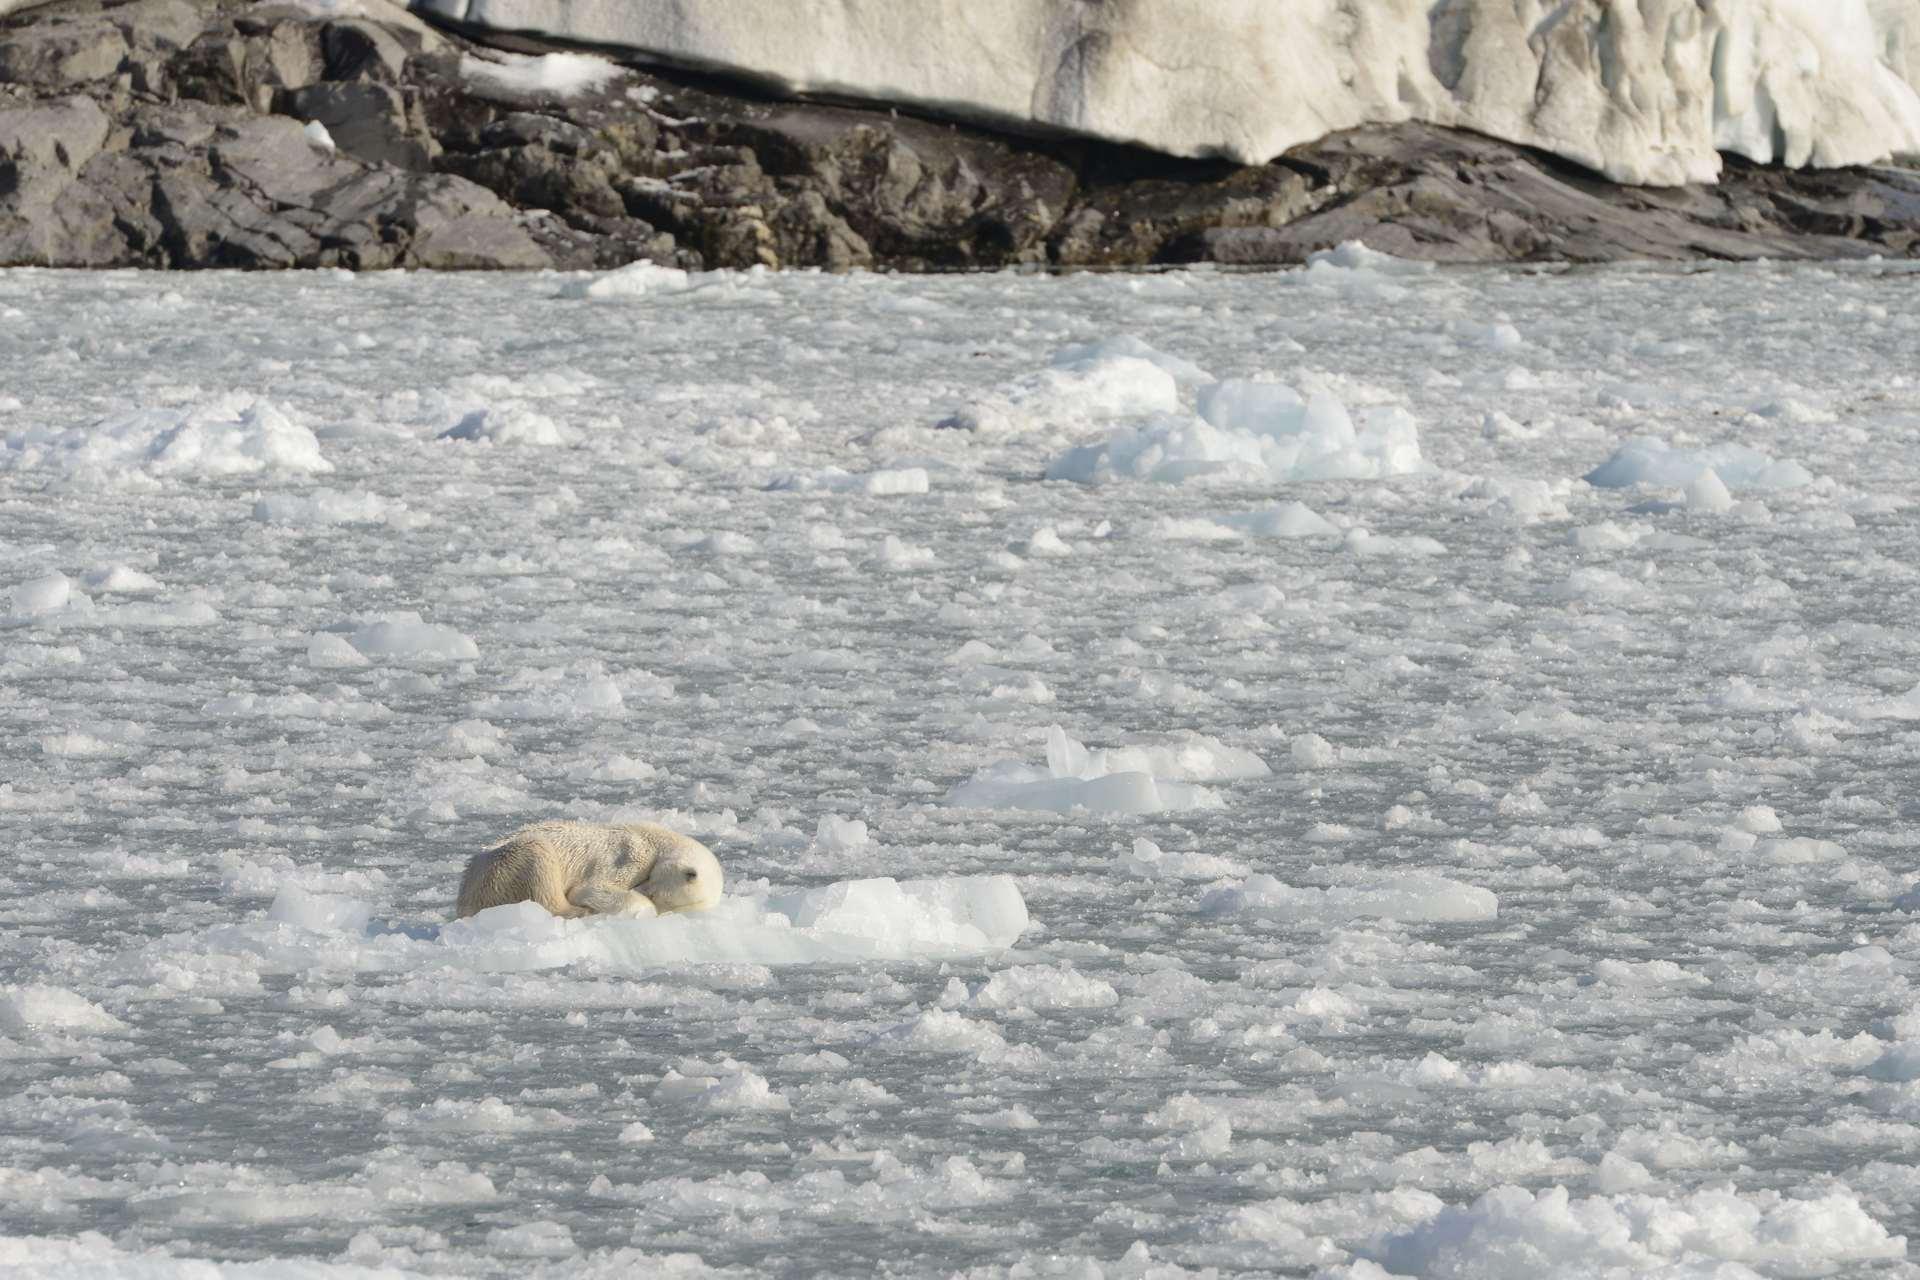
175 134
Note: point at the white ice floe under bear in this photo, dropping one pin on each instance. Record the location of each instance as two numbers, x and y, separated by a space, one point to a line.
585 868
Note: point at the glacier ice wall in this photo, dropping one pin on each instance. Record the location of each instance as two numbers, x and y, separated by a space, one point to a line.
1644 91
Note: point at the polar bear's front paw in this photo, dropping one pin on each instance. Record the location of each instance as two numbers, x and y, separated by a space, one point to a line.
637 906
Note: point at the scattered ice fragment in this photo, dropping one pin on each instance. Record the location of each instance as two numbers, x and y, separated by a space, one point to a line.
836 834
733 1088
317 136
1185 373
510 425
330 649
1649 460
327 508
1254 432
1146 859
38 596
1639 1234
406 635
635 280
1354 255
885 483
1150 776
870 919
1288 520
38 1007
119 579
320 912
1311 751
224 435
1708 495
1411 896
1046 542
1089 390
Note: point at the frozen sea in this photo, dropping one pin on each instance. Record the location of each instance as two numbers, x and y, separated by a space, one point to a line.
1359 771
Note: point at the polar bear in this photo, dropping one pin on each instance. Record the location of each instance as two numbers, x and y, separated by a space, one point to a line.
586 868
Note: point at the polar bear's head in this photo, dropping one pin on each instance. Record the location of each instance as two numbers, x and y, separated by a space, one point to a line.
685 877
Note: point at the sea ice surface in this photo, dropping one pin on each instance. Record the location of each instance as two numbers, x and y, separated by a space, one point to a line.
1490 853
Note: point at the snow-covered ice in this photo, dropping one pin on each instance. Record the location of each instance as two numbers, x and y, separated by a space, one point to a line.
1649 92
1470 833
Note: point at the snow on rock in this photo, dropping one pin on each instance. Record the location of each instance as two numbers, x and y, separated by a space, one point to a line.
1650 460
1151 776
1411 896
563 75
227 435
1512 1232
1650 94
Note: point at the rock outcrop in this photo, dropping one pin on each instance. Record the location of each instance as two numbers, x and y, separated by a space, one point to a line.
206 133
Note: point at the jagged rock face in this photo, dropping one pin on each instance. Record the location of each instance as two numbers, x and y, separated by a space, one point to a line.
168 133
196 133
1647 91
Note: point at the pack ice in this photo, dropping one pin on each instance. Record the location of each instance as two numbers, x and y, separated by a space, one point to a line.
1483 852
1644 93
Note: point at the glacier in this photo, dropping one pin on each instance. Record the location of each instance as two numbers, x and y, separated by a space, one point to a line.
1648 93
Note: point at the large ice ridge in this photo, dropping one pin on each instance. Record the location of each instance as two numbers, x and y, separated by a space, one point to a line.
1645 92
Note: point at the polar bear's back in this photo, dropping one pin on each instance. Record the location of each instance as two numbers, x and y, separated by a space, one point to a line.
546 861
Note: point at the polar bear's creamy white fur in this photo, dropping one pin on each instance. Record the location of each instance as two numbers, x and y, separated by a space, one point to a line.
586 868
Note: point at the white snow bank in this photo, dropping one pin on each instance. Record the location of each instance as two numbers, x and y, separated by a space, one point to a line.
1649 94
561 74
1511 1233
1255 432
226 435
1650 460
1412 896
1149 776
874 919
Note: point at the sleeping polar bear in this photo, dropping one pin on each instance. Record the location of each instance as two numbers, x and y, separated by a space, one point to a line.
585 868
